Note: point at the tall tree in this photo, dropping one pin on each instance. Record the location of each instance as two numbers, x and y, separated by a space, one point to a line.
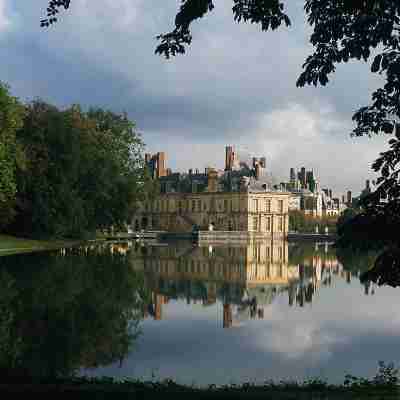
11 117
82 173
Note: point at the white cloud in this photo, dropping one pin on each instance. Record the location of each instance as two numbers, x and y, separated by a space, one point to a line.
5 22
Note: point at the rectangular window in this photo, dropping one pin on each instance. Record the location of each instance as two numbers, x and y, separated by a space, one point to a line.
268 224
193 205
267 253
180 206
225 205
268 206
255 224
280 206
199 205
280 224
280 253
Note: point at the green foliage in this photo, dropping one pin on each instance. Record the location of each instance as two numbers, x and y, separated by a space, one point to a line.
385 269
11 116
300 222
82 171
385 378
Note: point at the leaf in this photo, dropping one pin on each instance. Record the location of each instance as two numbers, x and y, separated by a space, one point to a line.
376 63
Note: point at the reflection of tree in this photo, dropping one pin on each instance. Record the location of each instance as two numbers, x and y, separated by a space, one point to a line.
59 314
386 270
303 252
356 260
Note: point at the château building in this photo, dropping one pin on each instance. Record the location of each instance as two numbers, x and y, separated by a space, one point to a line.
229 200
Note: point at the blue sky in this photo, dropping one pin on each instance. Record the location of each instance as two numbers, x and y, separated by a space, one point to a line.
235 85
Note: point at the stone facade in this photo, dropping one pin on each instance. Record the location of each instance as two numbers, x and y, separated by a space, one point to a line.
265 212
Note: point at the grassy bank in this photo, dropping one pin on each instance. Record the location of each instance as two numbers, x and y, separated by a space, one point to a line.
107 387
12 245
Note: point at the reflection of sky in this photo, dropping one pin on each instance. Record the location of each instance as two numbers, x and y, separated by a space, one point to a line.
342 331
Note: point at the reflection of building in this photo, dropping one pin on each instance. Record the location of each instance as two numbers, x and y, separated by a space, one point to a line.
244 279
227 320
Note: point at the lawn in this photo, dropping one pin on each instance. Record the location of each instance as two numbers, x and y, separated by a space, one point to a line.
12 245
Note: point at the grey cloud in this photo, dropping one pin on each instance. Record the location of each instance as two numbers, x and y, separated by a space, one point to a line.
102 53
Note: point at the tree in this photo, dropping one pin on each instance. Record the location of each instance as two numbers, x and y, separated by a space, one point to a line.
11 117
82 172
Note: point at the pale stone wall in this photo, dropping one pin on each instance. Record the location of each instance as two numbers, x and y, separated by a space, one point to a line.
179 212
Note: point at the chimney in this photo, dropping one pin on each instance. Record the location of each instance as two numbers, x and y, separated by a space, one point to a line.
161 164
349 199
212 184
258 171
229 156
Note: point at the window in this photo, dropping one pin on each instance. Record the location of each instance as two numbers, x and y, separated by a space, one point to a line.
180 206
280 253
199 205
255 205
255 224
268 206
268 224
280 206
225 205
193 205
267 252
280 224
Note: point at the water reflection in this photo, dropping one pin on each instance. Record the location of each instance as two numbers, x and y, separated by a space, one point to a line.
244 279
83 310
65 310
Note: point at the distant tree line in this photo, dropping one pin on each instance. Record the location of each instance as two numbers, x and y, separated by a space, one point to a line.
65 173
300 222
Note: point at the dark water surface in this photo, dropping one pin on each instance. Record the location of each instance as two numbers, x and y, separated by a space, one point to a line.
196 314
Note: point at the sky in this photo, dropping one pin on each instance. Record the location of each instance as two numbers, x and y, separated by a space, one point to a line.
235 85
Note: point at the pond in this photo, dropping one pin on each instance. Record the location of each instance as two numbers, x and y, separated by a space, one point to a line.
197 314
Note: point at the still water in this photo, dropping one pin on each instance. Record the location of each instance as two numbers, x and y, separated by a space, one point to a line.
196 313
